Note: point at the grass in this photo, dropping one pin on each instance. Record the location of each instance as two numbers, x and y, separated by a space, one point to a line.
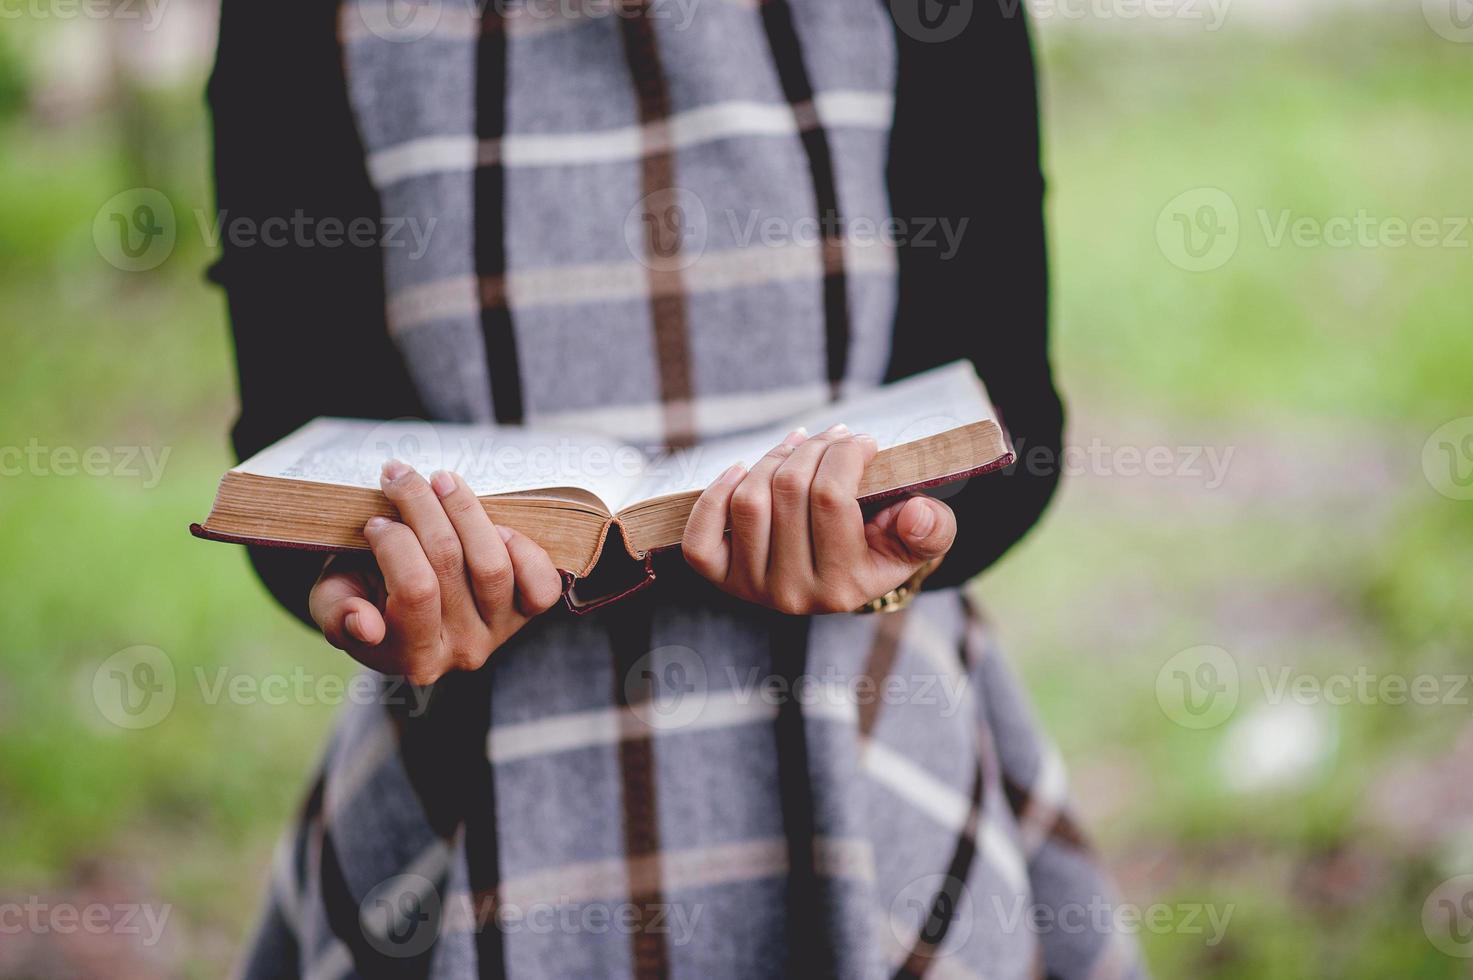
1325 550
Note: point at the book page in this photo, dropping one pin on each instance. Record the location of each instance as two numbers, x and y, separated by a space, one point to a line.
925 404
492 459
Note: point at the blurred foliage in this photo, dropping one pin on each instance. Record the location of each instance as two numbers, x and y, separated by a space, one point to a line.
12 80
1325 369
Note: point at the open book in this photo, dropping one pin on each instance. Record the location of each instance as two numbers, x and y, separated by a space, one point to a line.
566 490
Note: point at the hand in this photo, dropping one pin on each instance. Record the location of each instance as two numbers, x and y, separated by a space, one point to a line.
799 542
441 591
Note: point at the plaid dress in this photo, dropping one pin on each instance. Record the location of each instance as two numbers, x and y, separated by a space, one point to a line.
665 222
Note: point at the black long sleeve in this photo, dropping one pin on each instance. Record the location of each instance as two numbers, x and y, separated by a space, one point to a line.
308 315
965 147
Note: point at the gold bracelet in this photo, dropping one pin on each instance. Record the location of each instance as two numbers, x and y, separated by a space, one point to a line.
903 594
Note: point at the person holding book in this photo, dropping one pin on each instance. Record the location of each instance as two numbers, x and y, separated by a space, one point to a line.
657 227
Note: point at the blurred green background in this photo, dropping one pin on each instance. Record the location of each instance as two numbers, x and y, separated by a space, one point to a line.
1332 546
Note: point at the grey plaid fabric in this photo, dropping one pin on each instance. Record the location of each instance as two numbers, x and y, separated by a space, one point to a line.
682 784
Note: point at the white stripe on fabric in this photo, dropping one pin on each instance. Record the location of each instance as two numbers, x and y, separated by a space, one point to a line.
841 109
361 758
713 415
333 963
684 870
603 282
607 726
1046 797
946 806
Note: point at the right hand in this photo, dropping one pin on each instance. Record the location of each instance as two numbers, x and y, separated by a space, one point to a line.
441 591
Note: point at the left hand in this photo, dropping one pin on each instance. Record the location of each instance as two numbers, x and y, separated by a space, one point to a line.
799 542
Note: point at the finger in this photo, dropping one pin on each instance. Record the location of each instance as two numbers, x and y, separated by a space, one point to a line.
493 584
704 542
895 555
833 509
539 586
751 514
926 527
884 520
791 557
413 605
342 608
422 512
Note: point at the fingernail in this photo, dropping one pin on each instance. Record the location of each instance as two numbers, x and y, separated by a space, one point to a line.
925 523
505 532
393 470
837 430
868 439
443 483
350 623
376 524
733 474
796 437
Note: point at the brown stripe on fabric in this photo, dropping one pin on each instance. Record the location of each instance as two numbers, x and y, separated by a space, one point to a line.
663 220
947 904
443 757
1062 827
482 827
489 207
877 666
631 628
787 55
810 950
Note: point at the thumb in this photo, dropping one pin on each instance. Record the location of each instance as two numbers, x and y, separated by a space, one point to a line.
926 527
342 608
